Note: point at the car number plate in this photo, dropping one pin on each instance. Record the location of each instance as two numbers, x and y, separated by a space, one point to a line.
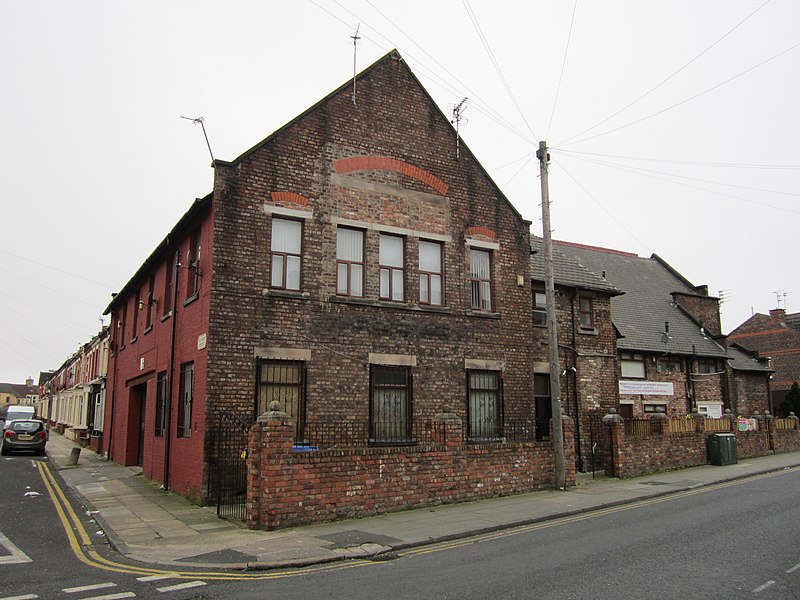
25 438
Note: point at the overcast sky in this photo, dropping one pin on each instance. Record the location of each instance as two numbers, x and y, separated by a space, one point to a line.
673 125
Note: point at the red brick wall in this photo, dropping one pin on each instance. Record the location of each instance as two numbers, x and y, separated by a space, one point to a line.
702 308
287 489
749 393
634 456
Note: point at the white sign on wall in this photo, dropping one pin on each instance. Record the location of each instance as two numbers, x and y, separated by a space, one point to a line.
646 388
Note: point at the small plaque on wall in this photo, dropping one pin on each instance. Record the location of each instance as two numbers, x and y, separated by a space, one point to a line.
201 341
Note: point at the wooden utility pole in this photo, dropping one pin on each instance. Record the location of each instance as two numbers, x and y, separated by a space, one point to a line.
552 325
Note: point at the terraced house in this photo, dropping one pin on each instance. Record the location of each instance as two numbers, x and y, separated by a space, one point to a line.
672 355
359 271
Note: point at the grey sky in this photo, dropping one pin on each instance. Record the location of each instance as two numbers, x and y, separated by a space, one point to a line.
96 164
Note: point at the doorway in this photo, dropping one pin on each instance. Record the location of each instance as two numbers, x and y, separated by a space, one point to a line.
138 416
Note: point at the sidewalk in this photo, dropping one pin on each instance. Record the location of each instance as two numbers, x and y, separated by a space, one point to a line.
146 524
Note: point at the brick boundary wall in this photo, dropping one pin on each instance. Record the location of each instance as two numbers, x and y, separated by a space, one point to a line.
288 488
635 456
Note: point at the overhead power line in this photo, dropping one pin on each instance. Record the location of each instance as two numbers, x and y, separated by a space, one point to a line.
485 42
689 99
663 81
678 162
563 65
645 173
602 207
734 185
425 71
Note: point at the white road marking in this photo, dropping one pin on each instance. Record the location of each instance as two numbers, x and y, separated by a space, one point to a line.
761 588
152 578
112 596
89 588
25 597
181 586
794 568
16 555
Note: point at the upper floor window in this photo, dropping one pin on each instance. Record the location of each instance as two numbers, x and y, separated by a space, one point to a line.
631 364
391 261
707 366
286 245
539 308
122 325
150 300
137 306
349 262
430 273
669 365
193 280
168 285
480 279
586 313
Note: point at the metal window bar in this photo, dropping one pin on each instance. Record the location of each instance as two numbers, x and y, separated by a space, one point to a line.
390 408
284 381
485 406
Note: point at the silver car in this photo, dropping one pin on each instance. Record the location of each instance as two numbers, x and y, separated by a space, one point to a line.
24 434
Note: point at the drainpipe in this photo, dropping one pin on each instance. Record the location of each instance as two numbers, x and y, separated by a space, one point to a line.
575 383
113 396
171 386
690 380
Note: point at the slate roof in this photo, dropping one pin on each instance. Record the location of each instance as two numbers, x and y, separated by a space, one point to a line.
567 271
19 390
639 315
741 360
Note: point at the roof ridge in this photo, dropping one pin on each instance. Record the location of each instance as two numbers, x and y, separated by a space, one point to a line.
599 248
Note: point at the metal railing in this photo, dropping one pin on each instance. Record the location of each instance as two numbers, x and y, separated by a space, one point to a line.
327 433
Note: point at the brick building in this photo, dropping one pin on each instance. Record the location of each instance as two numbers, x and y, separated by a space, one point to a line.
671 351
775 337
355 269
587 346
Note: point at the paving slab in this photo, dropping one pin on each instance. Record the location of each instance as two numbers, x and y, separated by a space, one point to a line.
150 525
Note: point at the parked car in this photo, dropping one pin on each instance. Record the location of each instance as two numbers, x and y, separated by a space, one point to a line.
24 434
11 412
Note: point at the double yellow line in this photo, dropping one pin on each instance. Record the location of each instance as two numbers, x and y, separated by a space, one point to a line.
82 547
504 533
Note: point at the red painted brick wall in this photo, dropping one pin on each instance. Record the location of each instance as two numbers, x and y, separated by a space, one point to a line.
153 347
287 489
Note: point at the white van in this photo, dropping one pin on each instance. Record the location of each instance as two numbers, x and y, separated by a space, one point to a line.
12 412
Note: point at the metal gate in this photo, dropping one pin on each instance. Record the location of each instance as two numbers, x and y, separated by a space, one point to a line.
600 441
227 478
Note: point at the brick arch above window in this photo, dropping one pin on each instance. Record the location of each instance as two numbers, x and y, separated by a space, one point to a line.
383 163
289 198
481 232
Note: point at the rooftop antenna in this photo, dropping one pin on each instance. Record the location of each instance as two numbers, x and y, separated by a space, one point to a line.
355 39
724 296
458 110
780 296
199 120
